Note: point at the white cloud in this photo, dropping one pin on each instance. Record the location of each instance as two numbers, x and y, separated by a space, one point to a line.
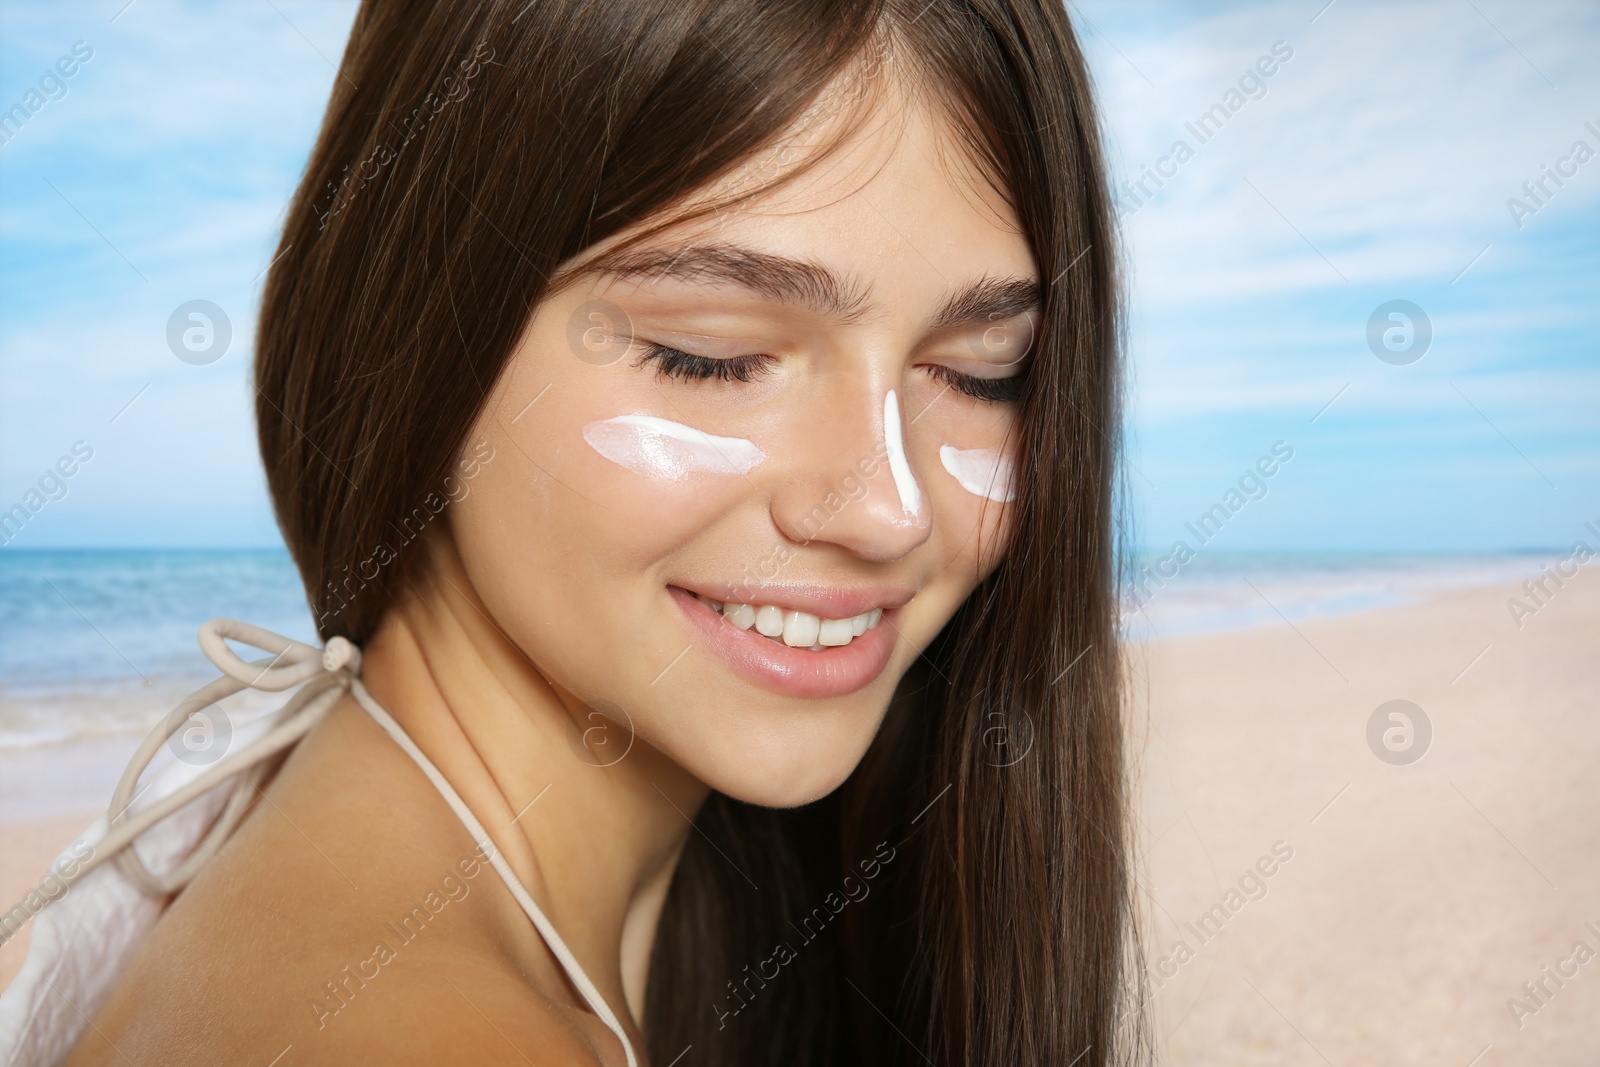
1391 139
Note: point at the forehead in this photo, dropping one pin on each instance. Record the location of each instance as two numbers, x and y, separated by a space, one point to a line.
880 196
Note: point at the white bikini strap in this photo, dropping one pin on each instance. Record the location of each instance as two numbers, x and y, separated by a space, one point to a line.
486 846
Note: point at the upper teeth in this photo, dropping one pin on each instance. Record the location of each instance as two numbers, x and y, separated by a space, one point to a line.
798 629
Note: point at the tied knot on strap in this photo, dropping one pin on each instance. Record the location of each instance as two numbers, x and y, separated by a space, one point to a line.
340 654
324 676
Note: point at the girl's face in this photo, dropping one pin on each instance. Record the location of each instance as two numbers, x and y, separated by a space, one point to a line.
742 481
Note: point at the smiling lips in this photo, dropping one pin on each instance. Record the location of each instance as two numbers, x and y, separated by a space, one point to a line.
793 652
797 629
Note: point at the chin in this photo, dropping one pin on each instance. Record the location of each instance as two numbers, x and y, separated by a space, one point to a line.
801 789
779 771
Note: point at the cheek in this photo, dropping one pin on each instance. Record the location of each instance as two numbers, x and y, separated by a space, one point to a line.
986 473
977 529
594 493
603 450
664 453
563 556
966 459
587 487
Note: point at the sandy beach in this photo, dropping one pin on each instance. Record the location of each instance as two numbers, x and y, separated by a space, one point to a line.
1419 897
1407 902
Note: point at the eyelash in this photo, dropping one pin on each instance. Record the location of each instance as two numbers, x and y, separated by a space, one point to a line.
672 363
996 390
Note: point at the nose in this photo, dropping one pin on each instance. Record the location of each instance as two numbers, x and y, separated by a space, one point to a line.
851 483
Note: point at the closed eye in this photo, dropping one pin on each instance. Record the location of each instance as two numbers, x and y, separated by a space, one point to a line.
673 363
676 363
995 390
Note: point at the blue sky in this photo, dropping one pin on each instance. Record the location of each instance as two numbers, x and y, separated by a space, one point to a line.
1374 164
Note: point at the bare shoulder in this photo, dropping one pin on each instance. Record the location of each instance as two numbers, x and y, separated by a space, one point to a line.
420 1011
347 921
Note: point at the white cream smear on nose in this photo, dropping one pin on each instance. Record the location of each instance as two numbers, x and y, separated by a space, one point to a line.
904 481
981 471
669 451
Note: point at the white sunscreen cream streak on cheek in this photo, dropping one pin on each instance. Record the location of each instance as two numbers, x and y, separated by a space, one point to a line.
981 471
904 481
669 451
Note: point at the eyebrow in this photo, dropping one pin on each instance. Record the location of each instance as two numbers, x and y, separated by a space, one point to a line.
812 286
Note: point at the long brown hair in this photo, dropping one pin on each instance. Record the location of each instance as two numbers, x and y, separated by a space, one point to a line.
976 861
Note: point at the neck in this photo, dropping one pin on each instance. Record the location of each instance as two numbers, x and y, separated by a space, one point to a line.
593 834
